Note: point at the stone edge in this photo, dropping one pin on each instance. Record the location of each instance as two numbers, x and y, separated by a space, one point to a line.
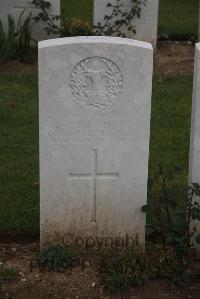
93 39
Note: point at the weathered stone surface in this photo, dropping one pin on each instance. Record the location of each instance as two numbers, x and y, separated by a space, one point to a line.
95 103
146 26
16 7
194 169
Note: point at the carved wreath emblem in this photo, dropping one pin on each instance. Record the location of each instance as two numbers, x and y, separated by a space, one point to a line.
96 82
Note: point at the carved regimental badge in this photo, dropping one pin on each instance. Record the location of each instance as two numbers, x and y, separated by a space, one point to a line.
96 82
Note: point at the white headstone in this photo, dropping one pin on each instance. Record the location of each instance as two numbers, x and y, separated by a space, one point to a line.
95 104
16 7
194 169
146 26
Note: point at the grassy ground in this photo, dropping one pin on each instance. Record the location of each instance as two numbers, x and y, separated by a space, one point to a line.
19 199
19 174
178 18
82 9
170 123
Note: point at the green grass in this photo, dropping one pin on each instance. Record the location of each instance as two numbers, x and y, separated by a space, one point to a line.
19 194
178 18
19 170
82 9
170 123
170 136
7 273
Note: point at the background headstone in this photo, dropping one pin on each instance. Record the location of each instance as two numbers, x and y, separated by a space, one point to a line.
16 7
194 169
95 104
146 26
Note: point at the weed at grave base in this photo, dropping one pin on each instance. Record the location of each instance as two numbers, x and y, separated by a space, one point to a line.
56 257
124 270
7 273
170 226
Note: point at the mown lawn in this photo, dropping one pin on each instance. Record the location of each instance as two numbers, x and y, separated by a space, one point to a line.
19 154
82 9
19 176
178 18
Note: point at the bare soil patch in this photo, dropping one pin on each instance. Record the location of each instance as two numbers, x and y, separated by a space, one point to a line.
172 58
15 66
80 282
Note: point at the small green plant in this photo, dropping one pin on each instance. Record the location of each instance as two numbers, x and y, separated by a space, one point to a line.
120 17
7 41
7 273
16 43
55 257
171 224
75 27
122 270
24 38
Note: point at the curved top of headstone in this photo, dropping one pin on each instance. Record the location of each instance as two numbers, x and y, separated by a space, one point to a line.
95 40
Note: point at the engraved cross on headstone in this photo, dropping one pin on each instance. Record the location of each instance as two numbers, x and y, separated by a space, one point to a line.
93 176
